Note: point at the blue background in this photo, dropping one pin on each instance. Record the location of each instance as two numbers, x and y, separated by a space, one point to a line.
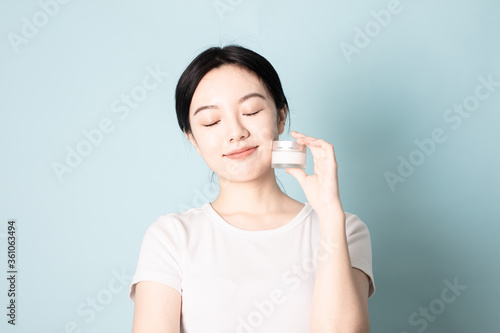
78 231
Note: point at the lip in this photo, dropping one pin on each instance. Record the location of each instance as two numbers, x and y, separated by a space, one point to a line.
241 153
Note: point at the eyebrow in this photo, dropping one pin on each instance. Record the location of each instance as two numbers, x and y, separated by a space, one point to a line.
244 98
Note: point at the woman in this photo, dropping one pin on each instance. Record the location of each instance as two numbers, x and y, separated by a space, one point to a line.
254 259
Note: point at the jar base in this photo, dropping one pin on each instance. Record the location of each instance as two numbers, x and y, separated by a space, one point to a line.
287 165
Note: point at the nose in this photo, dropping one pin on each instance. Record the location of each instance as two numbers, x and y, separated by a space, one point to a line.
236 130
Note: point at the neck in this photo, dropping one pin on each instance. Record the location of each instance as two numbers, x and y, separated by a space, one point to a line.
260 195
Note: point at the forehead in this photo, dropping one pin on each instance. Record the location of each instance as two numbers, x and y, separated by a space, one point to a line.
225 83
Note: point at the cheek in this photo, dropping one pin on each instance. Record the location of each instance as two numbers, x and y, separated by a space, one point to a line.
265 133
210 144
269 128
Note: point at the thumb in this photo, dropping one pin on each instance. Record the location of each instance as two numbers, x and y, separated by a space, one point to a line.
297 173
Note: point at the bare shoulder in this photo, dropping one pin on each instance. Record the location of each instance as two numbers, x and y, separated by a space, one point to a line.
157 308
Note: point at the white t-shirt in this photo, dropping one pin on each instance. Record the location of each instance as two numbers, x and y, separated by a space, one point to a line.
239 281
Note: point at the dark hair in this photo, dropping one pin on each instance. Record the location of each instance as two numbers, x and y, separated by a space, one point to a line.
215 57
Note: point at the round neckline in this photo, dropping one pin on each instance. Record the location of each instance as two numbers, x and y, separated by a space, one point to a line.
300 217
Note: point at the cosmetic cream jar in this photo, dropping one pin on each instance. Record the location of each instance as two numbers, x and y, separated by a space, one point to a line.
288 154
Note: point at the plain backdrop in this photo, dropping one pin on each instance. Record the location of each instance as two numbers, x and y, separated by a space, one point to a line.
408 92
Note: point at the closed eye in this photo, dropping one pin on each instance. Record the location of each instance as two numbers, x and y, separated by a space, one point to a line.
211 124
249 114
253 114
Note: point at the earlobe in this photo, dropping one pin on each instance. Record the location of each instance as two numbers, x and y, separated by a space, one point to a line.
191 139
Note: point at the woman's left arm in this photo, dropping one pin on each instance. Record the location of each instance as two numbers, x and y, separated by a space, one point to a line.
340 298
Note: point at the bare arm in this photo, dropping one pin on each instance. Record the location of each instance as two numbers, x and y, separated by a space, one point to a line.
157 308
340 299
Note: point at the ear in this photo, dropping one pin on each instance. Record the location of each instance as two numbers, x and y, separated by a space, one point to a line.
191 139
281 119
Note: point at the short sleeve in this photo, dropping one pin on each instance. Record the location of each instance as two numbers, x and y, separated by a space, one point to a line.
160 256
360 249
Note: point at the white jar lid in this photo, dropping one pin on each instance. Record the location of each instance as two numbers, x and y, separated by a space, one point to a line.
288 145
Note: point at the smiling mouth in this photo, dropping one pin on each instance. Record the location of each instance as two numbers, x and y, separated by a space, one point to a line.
242 154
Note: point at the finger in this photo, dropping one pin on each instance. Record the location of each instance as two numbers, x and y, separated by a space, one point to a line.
302 138
305 140
296 134
316 150
315 142
297 173
320 149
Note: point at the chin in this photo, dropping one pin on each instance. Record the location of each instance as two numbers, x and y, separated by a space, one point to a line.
242 172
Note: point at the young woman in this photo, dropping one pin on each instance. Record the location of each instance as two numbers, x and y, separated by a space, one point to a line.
254 259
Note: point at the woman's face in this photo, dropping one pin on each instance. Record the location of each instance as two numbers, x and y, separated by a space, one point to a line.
230 110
